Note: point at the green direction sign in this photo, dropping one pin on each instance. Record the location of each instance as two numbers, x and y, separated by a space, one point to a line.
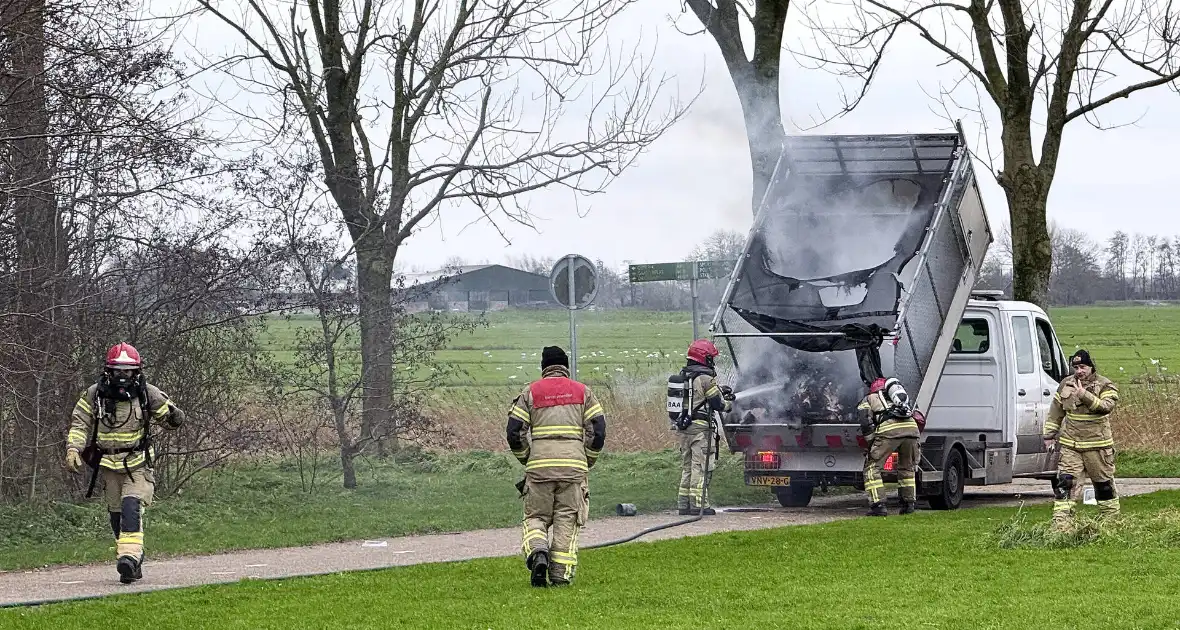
661 272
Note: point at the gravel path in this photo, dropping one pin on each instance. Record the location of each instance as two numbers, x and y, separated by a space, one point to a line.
75 582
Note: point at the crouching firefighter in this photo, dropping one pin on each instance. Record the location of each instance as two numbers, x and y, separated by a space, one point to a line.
111 432
1079 425
557 429
890 425
694 397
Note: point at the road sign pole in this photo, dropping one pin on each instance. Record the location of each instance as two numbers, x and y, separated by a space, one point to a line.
573 321
693 287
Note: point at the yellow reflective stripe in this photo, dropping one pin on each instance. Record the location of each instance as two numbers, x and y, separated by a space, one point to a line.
569 559
125 436
1096 404
1051 426
1057 396
133 460
83 405
907 483
77 434
1062 505
557 430
863 405
556 463
596 410
702 423
889 426
162 410
534 534
1110 393
131 538
1086 444
519 413
869 485
593 453
521 454
712 391
1085 417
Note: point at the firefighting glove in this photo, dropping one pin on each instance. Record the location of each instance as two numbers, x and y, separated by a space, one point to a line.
1066 392
73 460
727 393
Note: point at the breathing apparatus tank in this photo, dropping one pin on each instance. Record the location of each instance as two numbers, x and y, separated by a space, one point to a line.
679 401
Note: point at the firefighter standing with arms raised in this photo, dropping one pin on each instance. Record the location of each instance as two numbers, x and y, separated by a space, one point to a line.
557 429
890 425
696 427
110 432
1079 425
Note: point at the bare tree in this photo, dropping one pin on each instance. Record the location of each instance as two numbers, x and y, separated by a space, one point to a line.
415 106
1043 64
755 77
1116 261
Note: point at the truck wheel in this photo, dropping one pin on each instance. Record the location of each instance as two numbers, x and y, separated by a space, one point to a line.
793 496
950 491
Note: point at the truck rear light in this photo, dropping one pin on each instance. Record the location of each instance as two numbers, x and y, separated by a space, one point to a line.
835 441
767 459
743 441
889 461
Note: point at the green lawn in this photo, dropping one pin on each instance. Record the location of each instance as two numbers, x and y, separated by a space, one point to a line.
629 346
262 506
929 570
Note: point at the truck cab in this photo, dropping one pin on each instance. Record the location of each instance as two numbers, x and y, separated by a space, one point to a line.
984 425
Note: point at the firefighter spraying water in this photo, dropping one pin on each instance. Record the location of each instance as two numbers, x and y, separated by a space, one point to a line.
694 398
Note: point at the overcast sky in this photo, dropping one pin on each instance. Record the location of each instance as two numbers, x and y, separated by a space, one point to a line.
696 179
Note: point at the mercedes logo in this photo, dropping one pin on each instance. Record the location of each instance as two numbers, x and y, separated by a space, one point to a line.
829 461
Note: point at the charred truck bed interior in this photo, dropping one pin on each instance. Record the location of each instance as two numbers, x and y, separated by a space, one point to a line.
860 243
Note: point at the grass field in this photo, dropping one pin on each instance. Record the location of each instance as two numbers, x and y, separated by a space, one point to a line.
626 356
933 569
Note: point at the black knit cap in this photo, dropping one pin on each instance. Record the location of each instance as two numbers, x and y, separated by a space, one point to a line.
1083 357
553 355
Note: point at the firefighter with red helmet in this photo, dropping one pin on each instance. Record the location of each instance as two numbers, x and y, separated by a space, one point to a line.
890 425
110 432
697 428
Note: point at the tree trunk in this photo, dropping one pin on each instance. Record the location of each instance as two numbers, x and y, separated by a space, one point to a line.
40 241
374 275
758 92
1032 250
347 455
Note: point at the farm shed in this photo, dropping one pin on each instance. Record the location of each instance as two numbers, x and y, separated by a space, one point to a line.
475 288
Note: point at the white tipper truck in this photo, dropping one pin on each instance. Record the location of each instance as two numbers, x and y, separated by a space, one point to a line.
862 259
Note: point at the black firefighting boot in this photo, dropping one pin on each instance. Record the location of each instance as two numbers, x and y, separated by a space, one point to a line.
538 563
907 507
877 509
686 511
708 512
130 569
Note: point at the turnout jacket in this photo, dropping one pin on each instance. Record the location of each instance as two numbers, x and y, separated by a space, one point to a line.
556 427
1079 418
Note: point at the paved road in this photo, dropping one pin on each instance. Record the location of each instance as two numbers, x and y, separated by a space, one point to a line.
72 582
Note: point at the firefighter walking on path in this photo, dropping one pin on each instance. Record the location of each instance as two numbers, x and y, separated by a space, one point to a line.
110 432
889 426
1079 425
697 429
557 429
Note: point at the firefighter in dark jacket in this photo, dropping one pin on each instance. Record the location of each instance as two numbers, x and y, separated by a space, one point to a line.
697 450
889 426
113 418
557 429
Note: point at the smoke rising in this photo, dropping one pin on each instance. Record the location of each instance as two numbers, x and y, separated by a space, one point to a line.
830 251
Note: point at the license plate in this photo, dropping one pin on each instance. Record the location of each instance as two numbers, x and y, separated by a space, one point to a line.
769 480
